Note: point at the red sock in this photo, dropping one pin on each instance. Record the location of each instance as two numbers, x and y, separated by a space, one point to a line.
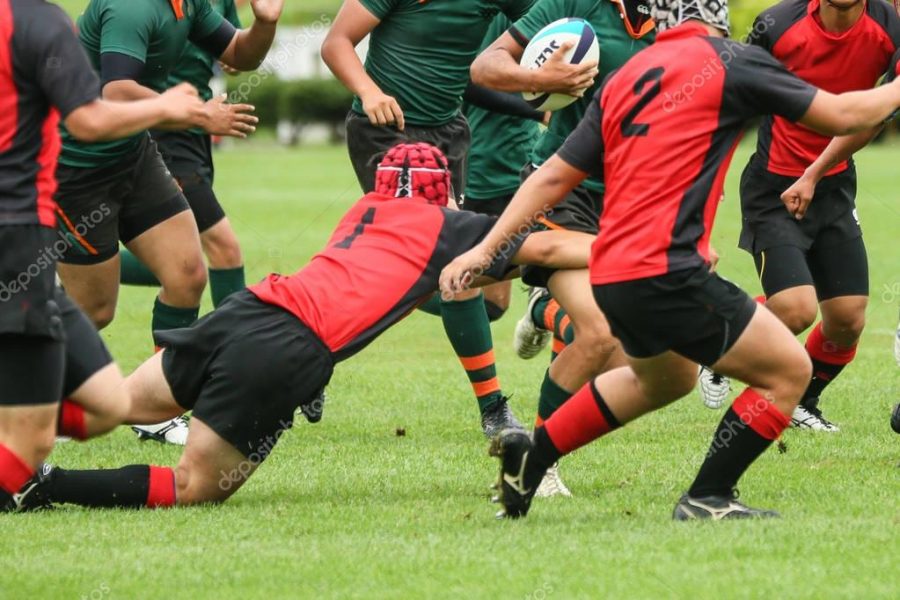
760 299
14 471
581 420
760 415
161 490
71 420
824 350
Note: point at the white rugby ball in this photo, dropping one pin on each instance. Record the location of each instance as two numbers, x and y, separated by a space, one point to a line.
547 41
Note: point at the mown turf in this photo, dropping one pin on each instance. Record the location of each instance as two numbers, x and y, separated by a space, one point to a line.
347 508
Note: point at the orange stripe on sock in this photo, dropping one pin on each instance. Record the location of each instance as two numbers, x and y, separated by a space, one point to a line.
558 345
485 388
474 363
563 325
550 314
538 421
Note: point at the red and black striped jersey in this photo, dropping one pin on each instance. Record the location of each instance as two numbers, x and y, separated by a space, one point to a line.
384 258
44 74
662 131
853 60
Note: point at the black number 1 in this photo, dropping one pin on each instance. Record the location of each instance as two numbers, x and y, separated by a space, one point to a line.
629 127
367 219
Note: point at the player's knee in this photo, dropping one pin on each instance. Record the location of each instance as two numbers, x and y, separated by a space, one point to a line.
187 282
494 310
192 486
222 249
101 313
794 377
847 327
595 341
799 315
113 413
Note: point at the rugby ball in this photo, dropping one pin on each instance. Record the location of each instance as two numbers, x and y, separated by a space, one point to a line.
547 41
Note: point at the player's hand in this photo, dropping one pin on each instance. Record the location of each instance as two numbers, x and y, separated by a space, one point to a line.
233 120
267 11
713 259
463 270
798 197
382 109
182 104
559 77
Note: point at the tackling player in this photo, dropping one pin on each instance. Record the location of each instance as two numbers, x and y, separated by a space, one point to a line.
410 88
48 349
623 28
664 143
123 189
245 368
817 263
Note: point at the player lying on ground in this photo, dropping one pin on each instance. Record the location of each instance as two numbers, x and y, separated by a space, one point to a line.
816 264
246 368
47 347
663 145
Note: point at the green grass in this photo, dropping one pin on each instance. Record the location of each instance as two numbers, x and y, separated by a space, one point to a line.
348 509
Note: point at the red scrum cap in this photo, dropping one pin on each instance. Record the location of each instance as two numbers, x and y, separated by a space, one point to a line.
414 169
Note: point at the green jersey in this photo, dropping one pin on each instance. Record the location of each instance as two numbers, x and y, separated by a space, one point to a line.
500 143
148 31
616 47
420 52
196 65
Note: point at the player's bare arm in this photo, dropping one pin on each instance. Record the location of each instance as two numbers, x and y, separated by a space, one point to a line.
852 112
552 249
798 197
218 116
249 46
498 68
352 24
104 120
540 192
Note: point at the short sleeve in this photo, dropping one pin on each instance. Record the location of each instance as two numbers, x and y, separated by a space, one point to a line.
583 149
516 9
541 14
206 21
894 68
760 85
126 28
759 33
62 69
380 8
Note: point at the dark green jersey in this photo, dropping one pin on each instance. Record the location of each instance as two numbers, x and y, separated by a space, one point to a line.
420 52
148 31
616 47
500 143
196 65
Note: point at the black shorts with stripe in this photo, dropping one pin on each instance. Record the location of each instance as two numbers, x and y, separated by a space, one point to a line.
98 207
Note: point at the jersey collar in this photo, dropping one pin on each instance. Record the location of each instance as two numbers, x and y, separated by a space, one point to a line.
178 7
685 30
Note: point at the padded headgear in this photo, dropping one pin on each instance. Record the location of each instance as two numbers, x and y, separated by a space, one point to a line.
414 169
670 13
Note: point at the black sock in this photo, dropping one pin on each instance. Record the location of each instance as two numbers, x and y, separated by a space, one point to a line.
734 448
541 458
823 374
6 501
127 487
494 311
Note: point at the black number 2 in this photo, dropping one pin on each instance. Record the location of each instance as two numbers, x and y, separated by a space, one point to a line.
367 219
629 127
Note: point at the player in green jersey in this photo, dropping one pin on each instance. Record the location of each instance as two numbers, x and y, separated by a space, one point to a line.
122 190
623 28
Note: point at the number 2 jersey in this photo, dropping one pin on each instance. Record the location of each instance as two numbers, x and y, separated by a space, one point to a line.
384 258
662 130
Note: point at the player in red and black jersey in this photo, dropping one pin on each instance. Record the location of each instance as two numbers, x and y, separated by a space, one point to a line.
48 349
817 262
246 368
661 131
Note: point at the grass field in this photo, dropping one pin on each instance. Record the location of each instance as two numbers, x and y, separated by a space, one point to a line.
347 509
295 13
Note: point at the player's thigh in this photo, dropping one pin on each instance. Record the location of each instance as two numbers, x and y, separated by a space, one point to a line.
499 295
152 400
171 250
839 266
94 288
572 290
210 469
767 356
367 144
662 379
